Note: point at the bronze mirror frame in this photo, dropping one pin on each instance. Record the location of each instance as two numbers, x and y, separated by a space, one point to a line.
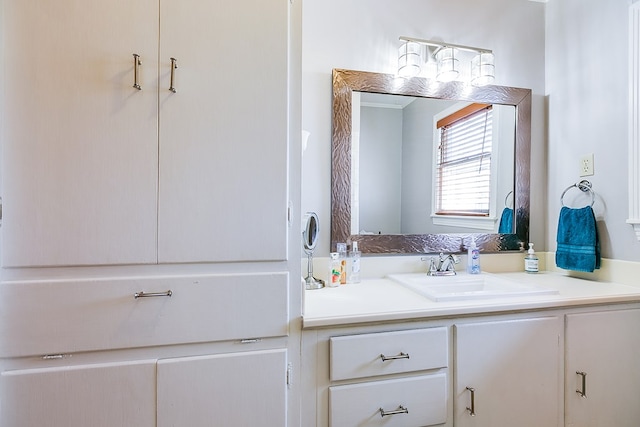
347 81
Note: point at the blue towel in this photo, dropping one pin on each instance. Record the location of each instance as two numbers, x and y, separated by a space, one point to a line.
578 245
506 221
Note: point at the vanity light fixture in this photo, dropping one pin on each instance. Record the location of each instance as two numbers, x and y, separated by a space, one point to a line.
447 58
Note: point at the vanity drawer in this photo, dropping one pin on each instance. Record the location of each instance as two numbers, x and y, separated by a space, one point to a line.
366 355
67 316
407 402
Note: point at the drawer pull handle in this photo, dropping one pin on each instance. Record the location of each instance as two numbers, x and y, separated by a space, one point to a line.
402 355
401 410
583 392
472 408
52 356
152 294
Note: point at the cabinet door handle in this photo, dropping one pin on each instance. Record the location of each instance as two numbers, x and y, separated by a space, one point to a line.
136 63
402 355
152 294
583 392
472 407
401 410
174 65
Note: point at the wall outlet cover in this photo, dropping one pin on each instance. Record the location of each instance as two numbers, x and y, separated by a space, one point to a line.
586 165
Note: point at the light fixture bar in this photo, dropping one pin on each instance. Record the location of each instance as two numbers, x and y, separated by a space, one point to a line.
442 45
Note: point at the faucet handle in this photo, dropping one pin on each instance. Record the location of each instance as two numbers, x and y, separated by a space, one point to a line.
432 264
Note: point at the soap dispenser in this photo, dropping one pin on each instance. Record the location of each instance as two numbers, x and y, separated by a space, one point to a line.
531 260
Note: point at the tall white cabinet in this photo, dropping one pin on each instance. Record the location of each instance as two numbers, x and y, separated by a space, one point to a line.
97 172
150 240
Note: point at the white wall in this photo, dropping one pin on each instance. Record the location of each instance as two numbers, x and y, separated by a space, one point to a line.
363 35
587 94
417 176
380 170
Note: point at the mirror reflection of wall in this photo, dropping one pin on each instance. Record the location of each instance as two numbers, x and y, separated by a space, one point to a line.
394 145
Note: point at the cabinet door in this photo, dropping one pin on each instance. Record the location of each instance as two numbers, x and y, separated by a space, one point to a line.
238 389
606 347
79 142
223 133
513 367
105 395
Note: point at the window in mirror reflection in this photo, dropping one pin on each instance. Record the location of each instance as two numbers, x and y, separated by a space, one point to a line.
394 143
463 162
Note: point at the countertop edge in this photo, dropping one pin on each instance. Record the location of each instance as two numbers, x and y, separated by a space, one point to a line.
324 318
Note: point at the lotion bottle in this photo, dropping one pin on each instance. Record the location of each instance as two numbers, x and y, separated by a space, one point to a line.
342 251
354 271
531 260
335 268
473 258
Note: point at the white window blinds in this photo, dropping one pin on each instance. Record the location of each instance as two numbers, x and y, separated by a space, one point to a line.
463 175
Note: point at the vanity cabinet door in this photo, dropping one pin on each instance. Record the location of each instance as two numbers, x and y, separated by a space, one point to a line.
223 189
237 389
101 395
513 367
605 348
79 142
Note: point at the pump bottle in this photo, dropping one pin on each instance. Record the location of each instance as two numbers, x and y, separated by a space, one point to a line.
473 258
531 260
354 258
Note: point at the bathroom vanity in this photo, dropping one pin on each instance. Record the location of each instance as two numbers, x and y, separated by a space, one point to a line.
378 353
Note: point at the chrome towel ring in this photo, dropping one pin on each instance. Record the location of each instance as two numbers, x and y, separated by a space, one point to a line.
584 186
506 199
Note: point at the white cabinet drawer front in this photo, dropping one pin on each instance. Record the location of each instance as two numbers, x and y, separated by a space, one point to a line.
407 402
358 356
44 317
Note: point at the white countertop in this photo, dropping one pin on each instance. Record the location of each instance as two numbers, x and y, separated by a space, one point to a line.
376 300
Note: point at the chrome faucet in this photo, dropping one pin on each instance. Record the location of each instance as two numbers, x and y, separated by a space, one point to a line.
443 265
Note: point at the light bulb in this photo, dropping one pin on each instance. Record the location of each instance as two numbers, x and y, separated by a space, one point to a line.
448 67
482 69
409 59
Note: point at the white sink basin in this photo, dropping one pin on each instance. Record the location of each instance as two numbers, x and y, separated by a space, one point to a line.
467 286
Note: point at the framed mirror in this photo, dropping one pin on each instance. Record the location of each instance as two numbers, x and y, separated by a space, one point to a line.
510 186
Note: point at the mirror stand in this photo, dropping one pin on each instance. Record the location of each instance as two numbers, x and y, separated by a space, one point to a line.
311 282
310 235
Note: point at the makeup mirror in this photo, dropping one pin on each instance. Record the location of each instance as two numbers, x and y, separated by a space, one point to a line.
310 234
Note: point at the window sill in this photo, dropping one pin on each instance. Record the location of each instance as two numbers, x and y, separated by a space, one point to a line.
482 223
